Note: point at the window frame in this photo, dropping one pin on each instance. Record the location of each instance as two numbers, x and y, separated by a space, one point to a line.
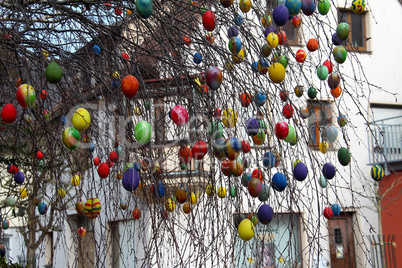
317 105
349 45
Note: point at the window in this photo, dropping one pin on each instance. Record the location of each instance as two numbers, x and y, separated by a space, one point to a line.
358 29
276 244
320 117
124 249
5 241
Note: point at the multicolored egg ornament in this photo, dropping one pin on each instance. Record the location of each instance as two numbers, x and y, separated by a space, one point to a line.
245 146
322 72
238 19
377 172
358 6
322 181
26 95
42 208
291 134
280 15
131 179
236 168
245 178
340 54
234 45
259 138
8 113
281 130
53 73
328 213
129 86
329 65
136 213
276 73
269 160
229 118
296 21
245 99
294 6
281 37
96 49
265 214
245 5
252 126
266 50
170 205
260 98
71 138
336 210
199 150
232 148
143 132
328 170
179 115
144 8
342 121
266 20
334 80
209 20
81 119
6 224
323 6
304 112
254 187
123 205
308 7
300 172
279 182
226 3
213 78
246 230
239 57
287 111
264 194
92 208
342 31
82 231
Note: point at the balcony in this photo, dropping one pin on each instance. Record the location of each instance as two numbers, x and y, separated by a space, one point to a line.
385 142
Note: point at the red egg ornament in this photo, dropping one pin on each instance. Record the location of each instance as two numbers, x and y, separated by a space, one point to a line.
179 115
8 113
245 146
245 99
329 66
96 161
136 213
296 21
129 86
199 150
312 45
225 168
301 56
328 213
103 170
281 37
281 130
287 111
125 56
113 156
43 94
257 173
209 20
39 155
185 155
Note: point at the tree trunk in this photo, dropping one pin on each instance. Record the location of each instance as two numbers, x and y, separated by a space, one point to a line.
31 248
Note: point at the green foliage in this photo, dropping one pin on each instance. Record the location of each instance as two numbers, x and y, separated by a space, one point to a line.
4 264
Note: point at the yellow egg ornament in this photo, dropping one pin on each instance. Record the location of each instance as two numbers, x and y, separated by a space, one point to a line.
229 118
239 57
61 192
222 192
272 40
323 147
170 205
81 119
23 193
358 6
75 181
210 190
193 199
246 230
276 73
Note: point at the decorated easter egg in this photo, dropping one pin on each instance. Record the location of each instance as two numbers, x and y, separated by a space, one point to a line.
245 146
296 21
103 170
222 192
179 115
8 113
272 40
300 171
142 132
225 167
252 126
81 119
265 214
336 92
259 138
276 72
219 149
245 178
342 121
334 80
131 179
280 15
236 168
226 3
42 208
210 190
136 213
170 205
281 130
234 45
181 194
233 191
213 78
323 6
193 198
336 210
328 170
342 31
53 73
287 111
92 208
312 45
254 187
328 213
323 146
246 230
82 231
245 5
185 155
6 224
377 172
229 118
71 138
322 181
19 177
144 8
26 95
358 6
269 160
308 7
197 58
279 182
264 194
294 6
199 150
332 133
340 54
209 20
232 148
322 72
215 129
129 86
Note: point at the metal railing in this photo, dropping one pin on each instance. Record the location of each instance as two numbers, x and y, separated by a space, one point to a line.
385 140
383 251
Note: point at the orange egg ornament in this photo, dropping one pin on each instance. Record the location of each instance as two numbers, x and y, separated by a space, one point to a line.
129 86
312 45
336 92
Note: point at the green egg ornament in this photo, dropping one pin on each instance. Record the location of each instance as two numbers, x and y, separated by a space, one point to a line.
323 6
340 54
233 191
312 92
342 31
144 8
322 181
322 72
344 156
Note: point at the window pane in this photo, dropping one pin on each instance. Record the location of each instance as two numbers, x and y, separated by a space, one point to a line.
291 32
357 30
342 16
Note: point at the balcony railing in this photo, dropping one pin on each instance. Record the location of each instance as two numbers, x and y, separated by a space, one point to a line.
385 140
